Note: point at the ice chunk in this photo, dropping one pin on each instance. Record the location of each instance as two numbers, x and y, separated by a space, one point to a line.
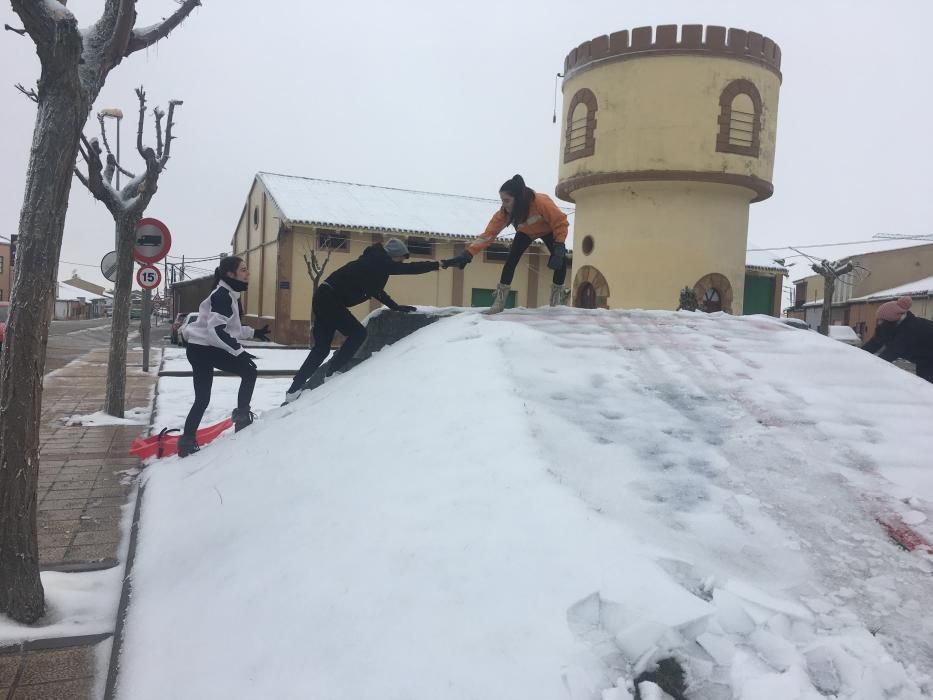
731 614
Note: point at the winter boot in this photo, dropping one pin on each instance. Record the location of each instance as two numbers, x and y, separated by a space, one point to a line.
242 419
558 295
498 303
187 445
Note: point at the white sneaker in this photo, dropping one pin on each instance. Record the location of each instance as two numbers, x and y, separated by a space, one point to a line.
292 395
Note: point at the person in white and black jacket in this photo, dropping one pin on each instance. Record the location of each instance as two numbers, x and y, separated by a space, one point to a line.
358 280
214 343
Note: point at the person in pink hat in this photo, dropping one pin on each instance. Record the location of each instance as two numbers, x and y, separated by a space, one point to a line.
901 335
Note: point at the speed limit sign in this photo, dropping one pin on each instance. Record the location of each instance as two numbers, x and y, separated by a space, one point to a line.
149 277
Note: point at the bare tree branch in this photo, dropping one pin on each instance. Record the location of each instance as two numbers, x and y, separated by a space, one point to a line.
30 93
21 32
145 37
94 180
141 94
83 179
158 114
168 132
116 163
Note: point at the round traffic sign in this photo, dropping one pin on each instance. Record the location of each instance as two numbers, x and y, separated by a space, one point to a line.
153 241
108 266
149 277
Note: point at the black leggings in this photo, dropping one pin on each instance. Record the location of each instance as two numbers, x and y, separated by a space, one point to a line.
204 359
519 245
330 316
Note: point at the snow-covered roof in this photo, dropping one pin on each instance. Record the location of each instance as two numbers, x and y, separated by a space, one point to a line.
919 288
308 200
316 202
66 292
764 259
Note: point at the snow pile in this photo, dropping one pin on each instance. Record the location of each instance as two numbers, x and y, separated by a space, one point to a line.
844 334
548 504
132 416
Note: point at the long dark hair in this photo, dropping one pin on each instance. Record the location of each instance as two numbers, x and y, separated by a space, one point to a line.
228 264
523 195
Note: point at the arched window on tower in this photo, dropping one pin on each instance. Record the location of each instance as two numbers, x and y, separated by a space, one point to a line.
739 119
580 137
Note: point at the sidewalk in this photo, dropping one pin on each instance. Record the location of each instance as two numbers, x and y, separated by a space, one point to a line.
83 492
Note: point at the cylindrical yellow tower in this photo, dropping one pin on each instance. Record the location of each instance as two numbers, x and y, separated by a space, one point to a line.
668 136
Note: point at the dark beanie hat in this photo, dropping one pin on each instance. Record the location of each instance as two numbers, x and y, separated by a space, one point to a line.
514 186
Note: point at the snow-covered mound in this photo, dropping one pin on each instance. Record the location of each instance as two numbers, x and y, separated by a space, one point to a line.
543 504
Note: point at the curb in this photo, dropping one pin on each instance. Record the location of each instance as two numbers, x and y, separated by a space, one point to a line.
126 591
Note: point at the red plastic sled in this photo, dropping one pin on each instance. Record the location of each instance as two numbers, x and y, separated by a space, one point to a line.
165 445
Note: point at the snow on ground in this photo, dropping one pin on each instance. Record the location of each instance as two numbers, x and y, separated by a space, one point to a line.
543 504
268 359
133 416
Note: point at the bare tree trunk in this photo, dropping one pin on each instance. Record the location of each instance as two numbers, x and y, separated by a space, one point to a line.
829 288
60 115
119 330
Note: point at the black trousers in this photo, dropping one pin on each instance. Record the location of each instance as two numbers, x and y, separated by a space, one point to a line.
519 245
330 316
204 359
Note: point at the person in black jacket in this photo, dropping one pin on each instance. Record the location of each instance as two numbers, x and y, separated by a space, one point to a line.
359 280
901 335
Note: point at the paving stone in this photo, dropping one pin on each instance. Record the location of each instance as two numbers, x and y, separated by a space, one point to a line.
65 690
90 552
57 665
9 665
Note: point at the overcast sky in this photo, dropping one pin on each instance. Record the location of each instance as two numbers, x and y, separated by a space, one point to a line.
456 97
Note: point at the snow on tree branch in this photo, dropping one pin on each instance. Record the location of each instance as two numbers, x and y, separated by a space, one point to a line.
147 36
158 114
50 25
163 159
94 181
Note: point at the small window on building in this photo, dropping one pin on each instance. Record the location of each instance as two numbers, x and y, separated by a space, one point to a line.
1 263
739 119
800 294
333 240
712 300
580 135
587 246
497 253
420 247
256 217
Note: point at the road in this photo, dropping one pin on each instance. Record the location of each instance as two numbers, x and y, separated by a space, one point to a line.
69 340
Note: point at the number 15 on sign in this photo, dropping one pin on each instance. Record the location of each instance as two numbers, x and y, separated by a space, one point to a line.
148 277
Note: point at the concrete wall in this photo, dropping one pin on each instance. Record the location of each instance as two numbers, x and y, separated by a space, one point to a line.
650 240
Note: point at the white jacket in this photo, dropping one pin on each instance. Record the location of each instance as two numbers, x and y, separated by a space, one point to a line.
218 323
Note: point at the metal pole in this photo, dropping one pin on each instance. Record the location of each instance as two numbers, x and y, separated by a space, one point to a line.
144 326
118 153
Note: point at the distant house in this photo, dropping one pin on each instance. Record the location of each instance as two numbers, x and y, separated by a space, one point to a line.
74 303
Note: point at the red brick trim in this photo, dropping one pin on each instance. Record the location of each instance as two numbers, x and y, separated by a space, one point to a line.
723 141
586 97
736 43
762 188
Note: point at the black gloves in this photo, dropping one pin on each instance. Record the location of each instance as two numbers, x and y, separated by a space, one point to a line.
556 261
459 261
262 333
247 359
405 309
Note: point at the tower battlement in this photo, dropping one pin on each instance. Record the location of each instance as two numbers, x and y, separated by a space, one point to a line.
670 39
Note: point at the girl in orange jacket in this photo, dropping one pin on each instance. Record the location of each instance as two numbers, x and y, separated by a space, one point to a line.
534 215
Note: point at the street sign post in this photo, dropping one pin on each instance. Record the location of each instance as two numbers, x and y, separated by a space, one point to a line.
108 266
153 241
148 277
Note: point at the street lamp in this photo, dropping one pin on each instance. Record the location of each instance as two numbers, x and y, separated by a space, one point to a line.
118 115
